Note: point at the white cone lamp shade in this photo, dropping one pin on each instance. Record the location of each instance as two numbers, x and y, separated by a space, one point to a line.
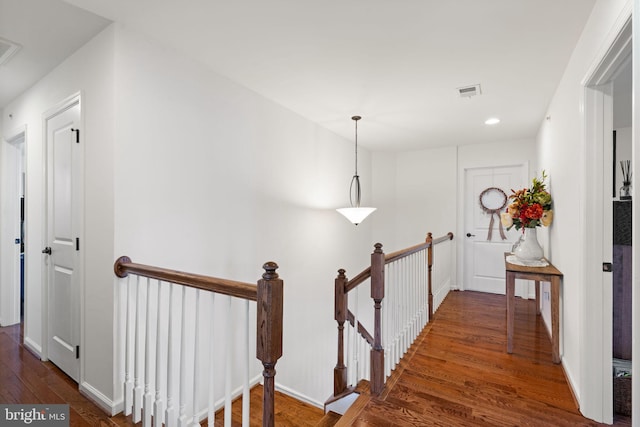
355 213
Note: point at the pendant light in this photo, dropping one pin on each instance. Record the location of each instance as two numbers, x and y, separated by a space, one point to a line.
355 214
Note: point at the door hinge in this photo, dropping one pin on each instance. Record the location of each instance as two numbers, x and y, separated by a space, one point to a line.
77 243
77 131
607 267
77 352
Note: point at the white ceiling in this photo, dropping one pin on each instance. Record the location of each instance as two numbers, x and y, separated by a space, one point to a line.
48 31
397 63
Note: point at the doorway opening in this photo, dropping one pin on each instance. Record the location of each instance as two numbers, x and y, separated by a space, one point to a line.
605 111
13 229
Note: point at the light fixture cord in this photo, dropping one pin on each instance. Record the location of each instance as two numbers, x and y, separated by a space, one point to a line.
356 147
356 178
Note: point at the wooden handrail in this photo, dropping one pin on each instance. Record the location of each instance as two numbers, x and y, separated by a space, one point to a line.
123 266
448 236
268 293
361 329
394 256
364 275
375 272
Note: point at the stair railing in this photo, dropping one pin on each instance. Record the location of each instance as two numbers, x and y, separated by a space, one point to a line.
402 289
164 331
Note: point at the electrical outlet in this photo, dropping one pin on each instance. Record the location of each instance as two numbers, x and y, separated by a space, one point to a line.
546 296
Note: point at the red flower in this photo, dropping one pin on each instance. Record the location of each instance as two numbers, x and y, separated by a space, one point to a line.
534 211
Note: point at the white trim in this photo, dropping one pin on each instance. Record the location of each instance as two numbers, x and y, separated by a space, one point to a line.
10 284
461 228
12 135
68 102
299 396
596 393
107 405
635 138
34 348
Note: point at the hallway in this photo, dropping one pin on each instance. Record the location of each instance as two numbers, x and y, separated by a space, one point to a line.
458 374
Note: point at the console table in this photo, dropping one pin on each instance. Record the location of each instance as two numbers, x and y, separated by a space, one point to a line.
538 274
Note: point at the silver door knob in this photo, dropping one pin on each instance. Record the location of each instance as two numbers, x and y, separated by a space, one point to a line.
47 250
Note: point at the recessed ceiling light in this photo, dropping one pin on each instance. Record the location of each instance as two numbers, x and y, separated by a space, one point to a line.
492 121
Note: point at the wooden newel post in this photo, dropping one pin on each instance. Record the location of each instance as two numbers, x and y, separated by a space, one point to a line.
377 294
269 335
429 269
341 309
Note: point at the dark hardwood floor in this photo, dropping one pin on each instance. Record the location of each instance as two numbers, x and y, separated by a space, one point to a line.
25 379
457 374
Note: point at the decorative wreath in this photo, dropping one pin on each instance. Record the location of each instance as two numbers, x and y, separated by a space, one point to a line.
492 201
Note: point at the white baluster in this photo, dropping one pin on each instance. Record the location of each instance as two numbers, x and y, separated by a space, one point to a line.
227 366
148 396
196 363
211 416
171 417
403 308
182 416
385 318
158 404
356 347
403 311
410 301
393 301
246 398
137 392
414 298
349 355
424 298
128 354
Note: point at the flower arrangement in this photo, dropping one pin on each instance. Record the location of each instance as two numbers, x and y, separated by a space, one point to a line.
530 207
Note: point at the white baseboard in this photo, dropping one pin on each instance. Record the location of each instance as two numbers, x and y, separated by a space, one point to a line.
299 396
33 347
440 294
103 402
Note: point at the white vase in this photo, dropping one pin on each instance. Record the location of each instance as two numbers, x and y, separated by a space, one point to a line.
529 249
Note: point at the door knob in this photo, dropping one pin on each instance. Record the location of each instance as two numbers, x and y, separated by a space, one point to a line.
47 250
471 235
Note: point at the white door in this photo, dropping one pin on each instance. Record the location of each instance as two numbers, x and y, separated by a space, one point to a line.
484 257
61 250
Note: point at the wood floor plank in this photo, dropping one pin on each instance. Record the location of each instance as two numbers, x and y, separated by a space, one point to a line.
461 375
457 374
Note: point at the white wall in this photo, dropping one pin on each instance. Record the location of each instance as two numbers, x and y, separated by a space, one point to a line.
561 152
209 178
214 179
415 194
89 71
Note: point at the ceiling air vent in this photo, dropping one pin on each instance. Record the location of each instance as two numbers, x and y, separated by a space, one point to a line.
469 91
7 49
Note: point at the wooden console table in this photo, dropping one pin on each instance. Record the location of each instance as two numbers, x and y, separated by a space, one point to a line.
538 274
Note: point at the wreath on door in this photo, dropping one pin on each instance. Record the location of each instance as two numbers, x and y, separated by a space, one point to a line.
492 201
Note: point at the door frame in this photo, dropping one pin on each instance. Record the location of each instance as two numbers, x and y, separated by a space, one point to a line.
597 321
462 252
51 112
11 287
